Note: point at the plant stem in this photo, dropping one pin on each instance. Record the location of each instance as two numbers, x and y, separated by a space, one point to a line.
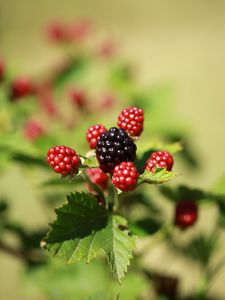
26 256
12 251
202 286
115 200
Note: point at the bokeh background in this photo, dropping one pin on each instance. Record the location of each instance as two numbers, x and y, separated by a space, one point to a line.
179 43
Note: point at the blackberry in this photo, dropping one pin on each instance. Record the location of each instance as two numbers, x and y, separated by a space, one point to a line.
113 147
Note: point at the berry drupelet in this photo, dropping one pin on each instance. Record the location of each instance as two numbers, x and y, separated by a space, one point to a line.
98 177
159 159
114 147
186 213
63 160
93 134
125 176
131 119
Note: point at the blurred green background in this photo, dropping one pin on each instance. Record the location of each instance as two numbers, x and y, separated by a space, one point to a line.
179 43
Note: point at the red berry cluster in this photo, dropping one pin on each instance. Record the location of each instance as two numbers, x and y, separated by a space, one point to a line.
131 120
63 160
115 148
125 176
159 159
98 177
93 133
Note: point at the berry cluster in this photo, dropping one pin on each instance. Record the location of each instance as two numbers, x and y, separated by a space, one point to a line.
63 160
115 152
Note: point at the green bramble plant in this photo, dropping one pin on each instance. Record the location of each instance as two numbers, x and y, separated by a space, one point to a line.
91 223
117 205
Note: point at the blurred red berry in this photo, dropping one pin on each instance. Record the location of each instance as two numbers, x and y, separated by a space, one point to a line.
159 159
131 119
75 32
58 32
125 176
108 101
79 30
93 134
63 160
107 49
186 213
2 69
98 177
21 87
33 130
45 96
78 98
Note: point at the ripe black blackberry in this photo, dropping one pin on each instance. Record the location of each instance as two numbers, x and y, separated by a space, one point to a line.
113 147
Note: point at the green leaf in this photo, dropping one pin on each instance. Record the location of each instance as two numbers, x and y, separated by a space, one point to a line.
29 160
146 226
84 229
219 187
3 206
159 176
77 219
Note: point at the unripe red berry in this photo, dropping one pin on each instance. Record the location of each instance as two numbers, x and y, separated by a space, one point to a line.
125 176
63 160
98 177
79 30
33 130
44 93
131 119
58 32
78 98
2 69
21 87
107 102
159 159
186 213
107 49
93 134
